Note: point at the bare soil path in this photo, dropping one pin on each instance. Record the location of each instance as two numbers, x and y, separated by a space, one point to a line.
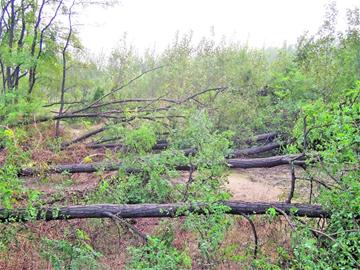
267 184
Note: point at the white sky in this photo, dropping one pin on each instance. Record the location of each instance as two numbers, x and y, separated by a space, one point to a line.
153 23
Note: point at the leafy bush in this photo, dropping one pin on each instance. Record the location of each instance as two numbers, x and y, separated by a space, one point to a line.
158 254
334 139
141 139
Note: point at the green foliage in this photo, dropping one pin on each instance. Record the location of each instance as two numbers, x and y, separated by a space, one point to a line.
65 255
8 235
154 172
141 139
16 108
12 190
334 137
329 58
158 254
268 90
153 184
10 184
210 229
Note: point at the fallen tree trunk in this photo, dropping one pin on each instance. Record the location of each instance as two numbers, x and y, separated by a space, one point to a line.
157 146
93 167
71 168
254 150
234 154
157 210
246 163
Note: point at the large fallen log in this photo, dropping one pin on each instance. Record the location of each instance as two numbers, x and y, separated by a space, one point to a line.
247 163
254 150
94 167
158 210
71 168
160 145
163 145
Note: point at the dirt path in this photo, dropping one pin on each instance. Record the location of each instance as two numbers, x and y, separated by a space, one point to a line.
268 184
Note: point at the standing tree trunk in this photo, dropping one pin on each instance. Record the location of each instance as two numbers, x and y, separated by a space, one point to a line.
11 30
32 71
4 7
67 42
20 43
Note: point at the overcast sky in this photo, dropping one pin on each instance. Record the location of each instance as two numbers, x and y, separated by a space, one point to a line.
153 23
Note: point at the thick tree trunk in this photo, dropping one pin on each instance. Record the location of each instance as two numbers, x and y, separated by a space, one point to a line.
232 163
72 168
158 146
234 154
268 162
254 150
157 210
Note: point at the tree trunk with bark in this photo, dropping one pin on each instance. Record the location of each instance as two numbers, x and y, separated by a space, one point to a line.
157 210
234 154
232 163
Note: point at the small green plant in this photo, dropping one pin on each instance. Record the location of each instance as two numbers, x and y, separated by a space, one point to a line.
141 139
158 254
65 255
210 229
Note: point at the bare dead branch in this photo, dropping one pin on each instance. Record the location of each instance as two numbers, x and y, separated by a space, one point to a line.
117 89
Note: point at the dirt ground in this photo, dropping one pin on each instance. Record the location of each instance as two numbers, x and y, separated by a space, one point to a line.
253 185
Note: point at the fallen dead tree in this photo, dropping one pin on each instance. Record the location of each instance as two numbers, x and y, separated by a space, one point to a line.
158 210
242 163
161 145
247 163
164 145
254 150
